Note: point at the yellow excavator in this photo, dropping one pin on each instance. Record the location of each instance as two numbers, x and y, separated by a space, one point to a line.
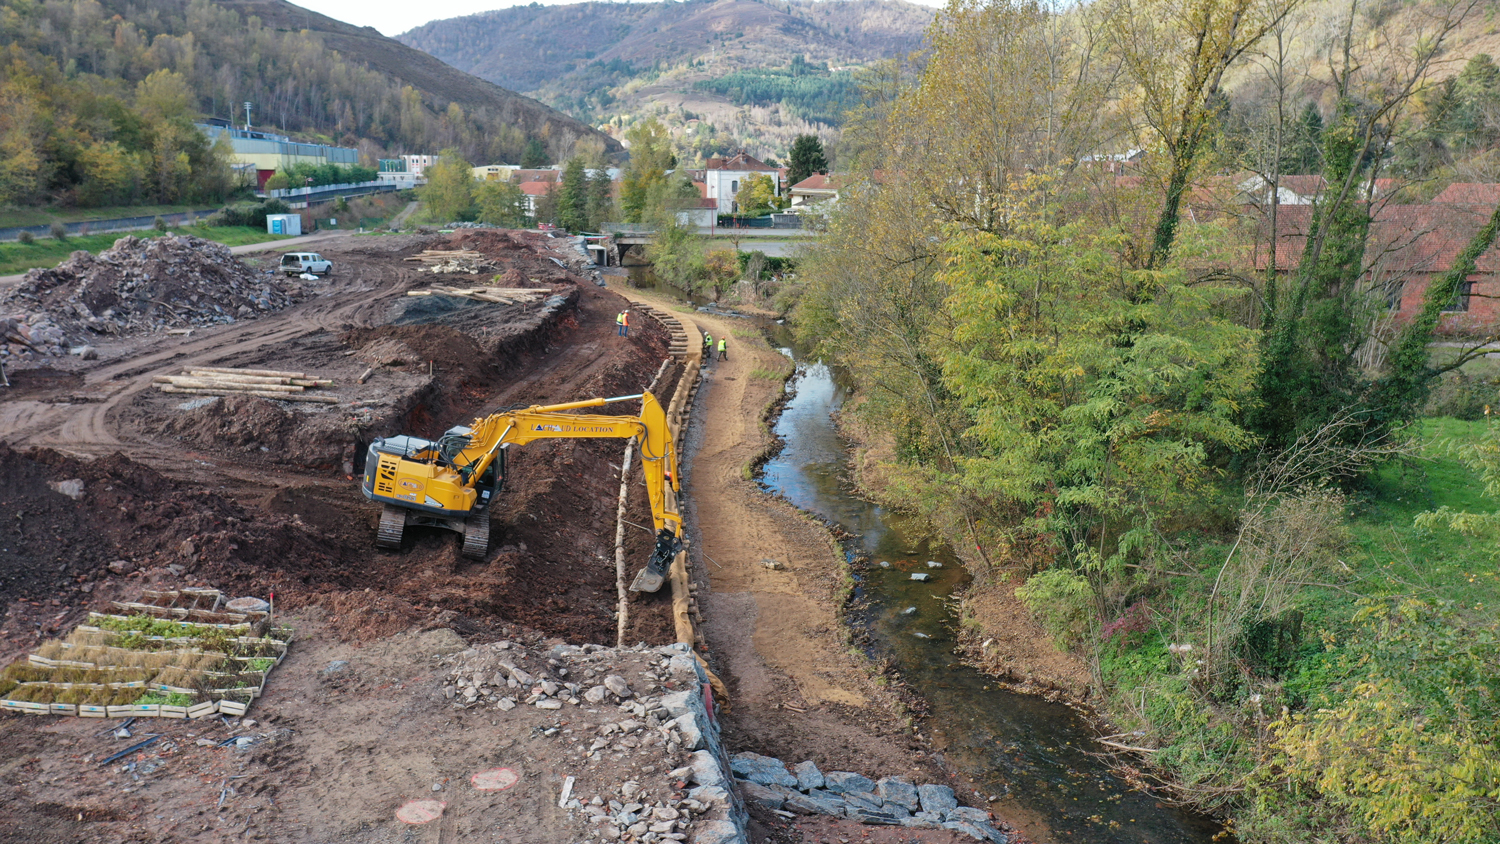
451 482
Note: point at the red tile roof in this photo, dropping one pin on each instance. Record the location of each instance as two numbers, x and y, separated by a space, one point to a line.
740 161
535 188
1403 238
1470 193
820 181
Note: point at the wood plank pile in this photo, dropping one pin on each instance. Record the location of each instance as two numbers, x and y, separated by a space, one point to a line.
499 295
265 383
453 261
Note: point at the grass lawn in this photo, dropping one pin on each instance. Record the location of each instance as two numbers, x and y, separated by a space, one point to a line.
1391 554
48 252
45 216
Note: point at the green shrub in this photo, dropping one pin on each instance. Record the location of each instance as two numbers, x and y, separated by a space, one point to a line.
58 230
26 237
159 224
1062 601
1463 396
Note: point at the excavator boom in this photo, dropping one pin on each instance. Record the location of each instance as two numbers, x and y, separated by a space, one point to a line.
449 482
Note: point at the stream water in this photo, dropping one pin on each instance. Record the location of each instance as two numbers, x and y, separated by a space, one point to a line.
1038 758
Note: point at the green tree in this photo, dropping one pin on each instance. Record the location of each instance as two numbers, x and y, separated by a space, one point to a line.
650 158
756 195
573 196
535 155
1302 153
449 192
805 159
501 204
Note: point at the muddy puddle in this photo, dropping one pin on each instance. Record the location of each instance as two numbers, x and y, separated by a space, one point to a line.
1036 758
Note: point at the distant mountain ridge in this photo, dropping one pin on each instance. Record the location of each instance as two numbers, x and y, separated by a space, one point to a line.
431 76
541 48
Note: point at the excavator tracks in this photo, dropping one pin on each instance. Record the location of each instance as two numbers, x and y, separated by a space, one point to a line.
392 525
477 535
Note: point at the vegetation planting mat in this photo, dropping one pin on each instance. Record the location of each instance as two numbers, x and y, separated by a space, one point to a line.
176 654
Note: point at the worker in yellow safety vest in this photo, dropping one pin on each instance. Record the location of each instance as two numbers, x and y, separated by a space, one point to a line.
623 323
723 348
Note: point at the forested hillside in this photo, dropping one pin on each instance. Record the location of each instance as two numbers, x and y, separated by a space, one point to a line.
619 62
99 96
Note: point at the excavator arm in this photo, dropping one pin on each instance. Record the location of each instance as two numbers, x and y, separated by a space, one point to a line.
439 480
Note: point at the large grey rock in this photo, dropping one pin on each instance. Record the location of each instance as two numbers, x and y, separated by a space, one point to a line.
859 815
717 832
864 800
615 683
979 832
765 770
964 813
770 796
844 782
706 770
937 799
687 727
709 794
808 775
815 803
897 791
677 703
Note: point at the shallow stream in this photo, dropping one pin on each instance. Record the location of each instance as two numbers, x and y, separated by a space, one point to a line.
1038 759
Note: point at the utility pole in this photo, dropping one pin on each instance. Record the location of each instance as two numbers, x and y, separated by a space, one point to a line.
247 115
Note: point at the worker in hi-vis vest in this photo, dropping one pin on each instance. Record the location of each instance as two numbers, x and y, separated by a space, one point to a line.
623 322
723 348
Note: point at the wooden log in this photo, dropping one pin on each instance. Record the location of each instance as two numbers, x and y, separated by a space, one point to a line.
312 382
198 391
243 379
274 373
366 375
211 384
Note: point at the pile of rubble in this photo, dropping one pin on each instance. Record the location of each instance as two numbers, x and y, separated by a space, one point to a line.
30 337
889 801
632 726
139 286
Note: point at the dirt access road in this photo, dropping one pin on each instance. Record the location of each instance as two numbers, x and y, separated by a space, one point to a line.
251 497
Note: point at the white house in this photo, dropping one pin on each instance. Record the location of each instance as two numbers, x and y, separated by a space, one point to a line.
725 176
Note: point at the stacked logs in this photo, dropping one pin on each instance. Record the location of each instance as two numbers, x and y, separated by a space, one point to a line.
265 383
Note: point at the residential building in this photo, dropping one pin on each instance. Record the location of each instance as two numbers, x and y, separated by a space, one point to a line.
819 187
1410 247
724 177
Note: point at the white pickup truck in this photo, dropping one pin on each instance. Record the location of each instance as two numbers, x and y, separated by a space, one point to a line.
297 263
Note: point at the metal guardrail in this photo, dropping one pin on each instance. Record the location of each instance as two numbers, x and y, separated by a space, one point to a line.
117 224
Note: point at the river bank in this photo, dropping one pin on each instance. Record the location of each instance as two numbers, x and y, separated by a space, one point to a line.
772 581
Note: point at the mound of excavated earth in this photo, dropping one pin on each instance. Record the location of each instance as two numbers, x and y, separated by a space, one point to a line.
139 286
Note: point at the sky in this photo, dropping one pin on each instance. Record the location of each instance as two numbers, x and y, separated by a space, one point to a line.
393 17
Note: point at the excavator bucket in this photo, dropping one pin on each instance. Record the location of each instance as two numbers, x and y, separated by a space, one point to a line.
654 574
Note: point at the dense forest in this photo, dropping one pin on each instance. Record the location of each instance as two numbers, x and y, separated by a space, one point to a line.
807 89
99 100
1256 503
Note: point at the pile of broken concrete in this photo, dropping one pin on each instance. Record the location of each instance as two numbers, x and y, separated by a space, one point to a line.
142 285
890 801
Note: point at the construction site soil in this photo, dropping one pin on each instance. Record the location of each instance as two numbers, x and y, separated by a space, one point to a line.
109 486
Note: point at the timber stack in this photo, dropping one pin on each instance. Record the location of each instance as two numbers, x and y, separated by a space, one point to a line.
265 383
